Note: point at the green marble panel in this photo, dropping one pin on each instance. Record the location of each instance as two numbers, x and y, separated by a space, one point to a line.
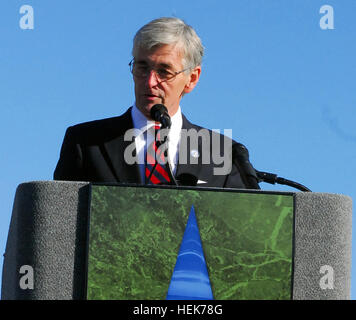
135 234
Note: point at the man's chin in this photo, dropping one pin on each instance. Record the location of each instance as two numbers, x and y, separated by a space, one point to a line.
145 109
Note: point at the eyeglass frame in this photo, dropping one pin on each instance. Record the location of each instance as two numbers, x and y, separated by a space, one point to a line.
131 63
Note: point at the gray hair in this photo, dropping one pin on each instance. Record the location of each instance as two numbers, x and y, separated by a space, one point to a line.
163 31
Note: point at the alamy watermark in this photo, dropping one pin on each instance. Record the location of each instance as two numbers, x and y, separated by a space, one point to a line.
27 21
327 280
215 148
26 280
327 20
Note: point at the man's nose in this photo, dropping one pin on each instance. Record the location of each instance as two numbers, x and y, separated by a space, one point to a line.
152 79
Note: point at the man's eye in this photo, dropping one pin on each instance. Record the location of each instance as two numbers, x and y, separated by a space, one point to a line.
163 72
141 68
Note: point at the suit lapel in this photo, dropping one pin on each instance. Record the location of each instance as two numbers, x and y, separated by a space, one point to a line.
114 150
193 169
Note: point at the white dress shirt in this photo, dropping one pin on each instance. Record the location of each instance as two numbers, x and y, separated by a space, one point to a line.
145 138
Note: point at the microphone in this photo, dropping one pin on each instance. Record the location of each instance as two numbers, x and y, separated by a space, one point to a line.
251 177
160 114
240 158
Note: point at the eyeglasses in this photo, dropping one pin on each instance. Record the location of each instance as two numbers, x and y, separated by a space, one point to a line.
143 71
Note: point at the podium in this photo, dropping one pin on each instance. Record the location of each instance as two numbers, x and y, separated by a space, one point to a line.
298 244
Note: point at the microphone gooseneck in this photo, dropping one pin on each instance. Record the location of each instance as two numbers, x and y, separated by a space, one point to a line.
273 179
251 177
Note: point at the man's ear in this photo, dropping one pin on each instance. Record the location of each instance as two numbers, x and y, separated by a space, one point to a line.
193 79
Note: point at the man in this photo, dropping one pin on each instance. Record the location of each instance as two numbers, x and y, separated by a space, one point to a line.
166 65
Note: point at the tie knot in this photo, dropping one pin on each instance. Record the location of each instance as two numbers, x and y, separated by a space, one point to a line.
157 132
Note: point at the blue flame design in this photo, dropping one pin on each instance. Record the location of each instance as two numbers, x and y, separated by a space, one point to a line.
190 279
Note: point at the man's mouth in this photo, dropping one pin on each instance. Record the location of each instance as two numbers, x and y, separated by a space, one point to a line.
150 96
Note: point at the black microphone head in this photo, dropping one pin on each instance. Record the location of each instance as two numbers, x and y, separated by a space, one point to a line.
240 151
159 113
240 156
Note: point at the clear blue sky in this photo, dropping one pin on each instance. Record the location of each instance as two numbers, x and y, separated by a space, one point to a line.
283 85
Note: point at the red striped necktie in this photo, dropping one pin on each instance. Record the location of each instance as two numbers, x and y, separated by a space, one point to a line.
158 158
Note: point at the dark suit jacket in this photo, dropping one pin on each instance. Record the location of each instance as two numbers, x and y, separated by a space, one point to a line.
94 151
